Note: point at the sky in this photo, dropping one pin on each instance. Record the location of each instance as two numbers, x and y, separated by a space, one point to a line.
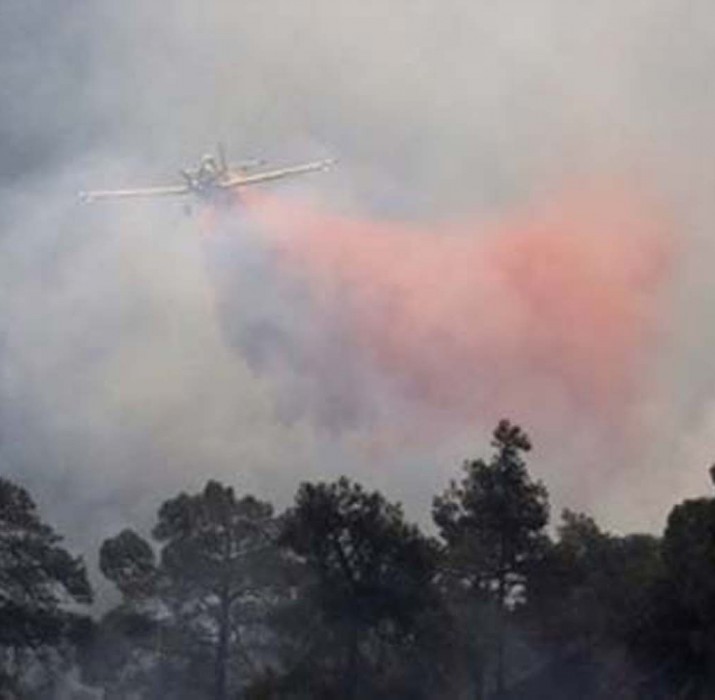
520 225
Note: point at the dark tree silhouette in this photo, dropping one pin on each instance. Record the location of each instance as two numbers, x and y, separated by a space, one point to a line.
128 561
129 650
587 602
218 553
190 615
493 524
677 638
38 577
340 597
371 576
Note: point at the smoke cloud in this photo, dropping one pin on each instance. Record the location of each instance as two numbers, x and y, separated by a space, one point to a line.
332 315
475 321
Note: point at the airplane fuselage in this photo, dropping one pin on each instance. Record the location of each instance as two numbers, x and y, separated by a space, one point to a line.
212 181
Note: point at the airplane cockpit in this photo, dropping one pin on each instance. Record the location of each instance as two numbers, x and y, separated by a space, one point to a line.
207 173
212 176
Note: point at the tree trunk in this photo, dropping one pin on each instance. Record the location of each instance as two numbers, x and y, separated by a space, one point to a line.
501 626
220 675
501 633
478 679
351 671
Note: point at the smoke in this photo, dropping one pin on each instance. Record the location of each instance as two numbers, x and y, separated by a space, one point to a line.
558 305
138 357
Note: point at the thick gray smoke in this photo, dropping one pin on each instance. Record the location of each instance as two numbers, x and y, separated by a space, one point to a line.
124 378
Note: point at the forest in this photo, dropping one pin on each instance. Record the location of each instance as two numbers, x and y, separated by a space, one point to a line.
339 596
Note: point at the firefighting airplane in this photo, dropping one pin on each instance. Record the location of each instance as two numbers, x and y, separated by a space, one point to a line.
212 180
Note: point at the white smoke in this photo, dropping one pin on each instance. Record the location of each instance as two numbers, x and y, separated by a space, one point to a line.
119 384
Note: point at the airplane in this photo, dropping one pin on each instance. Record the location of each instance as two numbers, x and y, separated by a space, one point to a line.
212 181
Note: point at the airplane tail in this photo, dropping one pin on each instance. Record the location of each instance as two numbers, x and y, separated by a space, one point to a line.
222 161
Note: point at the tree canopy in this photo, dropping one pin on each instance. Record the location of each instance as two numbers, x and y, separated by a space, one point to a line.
341 596
37 575
198 607
493 520
41 585
493 525
370 576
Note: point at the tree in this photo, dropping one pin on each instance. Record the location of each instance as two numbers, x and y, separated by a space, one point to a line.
199 610
218 553
38 578
128 561
676 639
493 525
127 656
370 581
587 602
588 588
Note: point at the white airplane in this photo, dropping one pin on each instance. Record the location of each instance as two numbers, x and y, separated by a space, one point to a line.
211 181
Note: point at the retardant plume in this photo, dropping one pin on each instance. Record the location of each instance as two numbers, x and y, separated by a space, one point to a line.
550 311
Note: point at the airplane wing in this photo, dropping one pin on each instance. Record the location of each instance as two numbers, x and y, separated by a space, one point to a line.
237 180
94 195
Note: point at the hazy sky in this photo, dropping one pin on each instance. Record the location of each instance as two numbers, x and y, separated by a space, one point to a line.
136 358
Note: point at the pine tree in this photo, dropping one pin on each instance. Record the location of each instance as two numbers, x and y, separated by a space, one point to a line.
197 611
39 579
370 577
493 525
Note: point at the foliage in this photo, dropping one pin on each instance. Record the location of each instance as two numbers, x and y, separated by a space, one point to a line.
493 525
341 597
493 521
198 614
587 590
39 581
675 641
370 581
128 561
36 573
